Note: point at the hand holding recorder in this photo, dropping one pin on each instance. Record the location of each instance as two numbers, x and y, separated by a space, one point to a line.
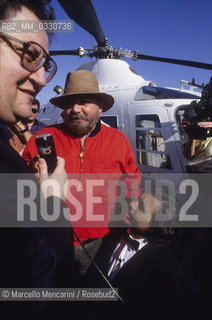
50 168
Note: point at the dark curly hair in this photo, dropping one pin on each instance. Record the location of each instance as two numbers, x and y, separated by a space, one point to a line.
40 8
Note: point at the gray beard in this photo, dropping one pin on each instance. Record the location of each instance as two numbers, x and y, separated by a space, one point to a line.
79 131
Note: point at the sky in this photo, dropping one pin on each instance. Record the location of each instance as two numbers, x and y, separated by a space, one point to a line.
178 29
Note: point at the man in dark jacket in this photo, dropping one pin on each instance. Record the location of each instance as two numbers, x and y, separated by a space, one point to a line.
29 256
139 263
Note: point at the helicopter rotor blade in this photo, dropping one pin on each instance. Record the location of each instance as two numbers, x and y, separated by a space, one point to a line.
187 63
64 52
83 13
132 55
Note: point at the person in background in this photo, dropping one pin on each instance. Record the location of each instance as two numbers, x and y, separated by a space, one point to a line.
20 135
197 152
24 129
195 260
32 124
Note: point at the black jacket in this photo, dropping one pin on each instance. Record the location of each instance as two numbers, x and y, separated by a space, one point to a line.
30 257
149 283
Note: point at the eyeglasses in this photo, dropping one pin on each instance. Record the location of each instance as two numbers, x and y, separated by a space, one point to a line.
34 56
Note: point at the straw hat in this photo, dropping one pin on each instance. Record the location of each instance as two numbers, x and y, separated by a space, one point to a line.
82 83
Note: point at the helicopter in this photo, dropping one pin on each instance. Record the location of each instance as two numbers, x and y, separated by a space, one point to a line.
150 116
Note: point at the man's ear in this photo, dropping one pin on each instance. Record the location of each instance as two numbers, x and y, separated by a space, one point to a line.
100 105
100 111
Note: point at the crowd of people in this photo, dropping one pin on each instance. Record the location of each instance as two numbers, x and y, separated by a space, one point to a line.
157 274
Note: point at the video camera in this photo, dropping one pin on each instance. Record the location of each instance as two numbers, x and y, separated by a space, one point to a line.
200 112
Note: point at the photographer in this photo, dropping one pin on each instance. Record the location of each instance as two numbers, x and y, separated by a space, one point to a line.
197 147
192 147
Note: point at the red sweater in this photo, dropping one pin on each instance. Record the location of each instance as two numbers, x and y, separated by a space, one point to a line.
108 152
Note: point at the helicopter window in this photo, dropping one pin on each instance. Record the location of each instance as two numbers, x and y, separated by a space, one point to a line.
156 141
150 143
157 160
151 93
112 121
150 140
141 139
147 121
179 117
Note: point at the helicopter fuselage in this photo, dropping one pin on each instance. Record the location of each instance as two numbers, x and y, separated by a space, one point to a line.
148 115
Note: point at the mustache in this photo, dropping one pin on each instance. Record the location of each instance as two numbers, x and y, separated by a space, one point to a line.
77 117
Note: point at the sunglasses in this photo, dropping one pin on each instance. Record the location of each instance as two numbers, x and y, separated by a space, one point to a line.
34 56
34 110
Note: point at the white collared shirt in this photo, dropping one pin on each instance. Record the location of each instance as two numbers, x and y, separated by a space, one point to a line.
122 253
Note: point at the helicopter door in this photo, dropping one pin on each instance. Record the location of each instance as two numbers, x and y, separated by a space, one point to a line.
151 135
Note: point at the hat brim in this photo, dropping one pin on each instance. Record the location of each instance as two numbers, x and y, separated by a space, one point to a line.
62 101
